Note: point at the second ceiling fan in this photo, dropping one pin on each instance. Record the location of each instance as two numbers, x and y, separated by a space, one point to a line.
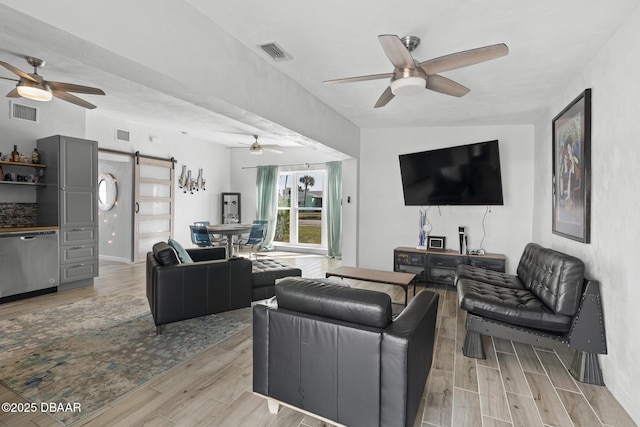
257 148
410 76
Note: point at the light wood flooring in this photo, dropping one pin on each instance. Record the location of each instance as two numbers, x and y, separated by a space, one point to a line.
516 385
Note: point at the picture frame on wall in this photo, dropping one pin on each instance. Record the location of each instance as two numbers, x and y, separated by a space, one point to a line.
572 170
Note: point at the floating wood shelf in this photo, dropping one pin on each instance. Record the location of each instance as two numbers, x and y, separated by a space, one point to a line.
31 165
35 184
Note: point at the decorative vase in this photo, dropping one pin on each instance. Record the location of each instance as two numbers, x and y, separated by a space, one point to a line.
422 235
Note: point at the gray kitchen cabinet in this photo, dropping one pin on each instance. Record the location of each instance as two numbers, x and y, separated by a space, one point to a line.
70 201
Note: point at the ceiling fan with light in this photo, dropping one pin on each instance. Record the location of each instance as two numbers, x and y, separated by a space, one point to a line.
33 86
257 148
410 76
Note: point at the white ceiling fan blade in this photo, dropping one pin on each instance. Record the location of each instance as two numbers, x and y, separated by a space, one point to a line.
396 51
271 149
464 58
446 86
360 78
384 99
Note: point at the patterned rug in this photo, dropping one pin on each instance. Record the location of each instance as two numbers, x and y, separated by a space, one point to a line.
93 351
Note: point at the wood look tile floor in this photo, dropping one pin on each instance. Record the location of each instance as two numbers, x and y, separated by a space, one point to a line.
517 385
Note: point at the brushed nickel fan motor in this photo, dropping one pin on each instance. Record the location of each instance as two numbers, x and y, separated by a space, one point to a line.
410 42
35 63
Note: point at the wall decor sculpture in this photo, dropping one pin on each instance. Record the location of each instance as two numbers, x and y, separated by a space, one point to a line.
188 184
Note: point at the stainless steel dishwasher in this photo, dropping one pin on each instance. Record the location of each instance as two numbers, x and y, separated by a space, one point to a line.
28 261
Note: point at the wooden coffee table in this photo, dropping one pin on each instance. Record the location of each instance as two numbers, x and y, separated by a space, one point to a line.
395 278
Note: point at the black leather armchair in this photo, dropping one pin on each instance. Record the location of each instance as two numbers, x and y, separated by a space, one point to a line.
211 284
335 352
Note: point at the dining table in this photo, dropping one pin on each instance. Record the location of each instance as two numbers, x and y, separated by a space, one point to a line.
228 231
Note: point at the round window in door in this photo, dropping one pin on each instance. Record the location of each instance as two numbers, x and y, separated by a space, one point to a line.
107 191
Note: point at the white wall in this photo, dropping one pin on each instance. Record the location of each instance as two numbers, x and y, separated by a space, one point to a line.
615 152
385 222
350 212
213 158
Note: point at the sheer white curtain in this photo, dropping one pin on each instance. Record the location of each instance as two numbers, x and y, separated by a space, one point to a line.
334 209
266 201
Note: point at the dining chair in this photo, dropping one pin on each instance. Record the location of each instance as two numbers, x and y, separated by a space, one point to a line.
261 221
255 239
200 236
255 221
215 241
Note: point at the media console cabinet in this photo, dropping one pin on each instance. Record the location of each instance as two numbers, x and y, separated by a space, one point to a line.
431 266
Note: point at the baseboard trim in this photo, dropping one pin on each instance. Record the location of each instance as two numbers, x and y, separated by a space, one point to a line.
299 249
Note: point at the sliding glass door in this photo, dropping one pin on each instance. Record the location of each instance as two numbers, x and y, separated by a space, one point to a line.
301 215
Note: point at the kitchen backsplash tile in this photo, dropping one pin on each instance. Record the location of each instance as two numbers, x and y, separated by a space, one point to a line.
18 214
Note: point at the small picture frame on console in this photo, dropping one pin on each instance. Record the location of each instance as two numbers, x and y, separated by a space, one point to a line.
436 243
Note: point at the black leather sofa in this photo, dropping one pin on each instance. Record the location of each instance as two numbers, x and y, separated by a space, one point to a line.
211 284
548 302
335 352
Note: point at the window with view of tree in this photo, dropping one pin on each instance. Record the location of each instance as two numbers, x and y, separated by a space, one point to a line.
300 208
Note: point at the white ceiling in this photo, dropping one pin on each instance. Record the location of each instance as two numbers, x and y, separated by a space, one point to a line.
550 41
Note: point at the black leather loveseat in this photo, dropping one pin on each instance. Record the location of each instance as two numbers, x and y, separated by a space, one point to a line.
211 284
548 302
335 352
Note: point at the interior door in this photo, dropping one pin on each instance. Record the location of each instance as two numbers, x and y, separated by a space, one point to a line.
115 213
154 198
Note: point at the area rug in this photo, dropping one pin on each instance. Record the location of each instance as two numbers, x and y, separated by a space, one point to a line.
93 351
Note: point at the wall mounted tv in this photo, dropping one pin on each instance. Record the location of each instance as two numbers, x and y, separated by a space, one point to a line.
462 175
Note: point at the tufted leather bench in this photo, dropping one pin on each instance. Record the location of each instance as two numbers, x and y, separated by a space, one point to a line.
548 302
265 273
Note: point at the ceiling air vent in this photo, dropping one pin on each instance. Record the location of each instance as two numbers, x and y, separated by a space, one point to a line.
123 135
24 112
275 52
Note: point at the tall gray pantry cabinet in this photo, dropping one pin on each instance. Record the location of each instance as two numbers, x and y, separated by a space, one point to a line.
70 201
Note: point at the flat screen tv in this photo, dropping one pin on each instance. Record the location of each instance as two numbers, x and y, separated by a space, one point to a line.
462 175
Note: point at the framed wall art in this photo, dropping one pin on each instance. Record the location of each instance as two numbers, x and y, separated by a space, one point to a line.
572 170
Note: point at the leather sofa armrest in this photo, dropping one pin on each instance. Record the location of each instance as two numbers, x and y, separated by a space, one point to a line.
261 349
407 353
207 254
421 309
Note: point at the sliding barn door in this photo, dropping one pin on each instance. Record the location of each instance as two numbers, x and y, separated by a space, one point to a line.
154 196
